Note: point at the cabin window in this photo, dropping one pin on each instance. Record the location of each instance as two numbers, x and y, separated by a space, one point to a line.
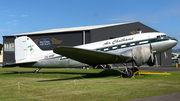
136 43
119 46
127 45
110 48
102 49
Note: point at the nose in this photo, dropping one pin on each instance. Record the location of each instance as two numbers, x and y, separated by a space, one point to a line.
169 44
175 41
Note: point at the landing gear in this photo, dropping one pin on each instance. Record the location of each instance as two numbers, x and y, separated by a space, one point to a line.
104 66
36 71
129 72
134 69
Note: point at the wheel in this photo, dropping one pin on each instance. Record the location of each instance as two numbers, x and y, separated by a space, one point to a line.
128 74
134 69
108 66
83 67
104 66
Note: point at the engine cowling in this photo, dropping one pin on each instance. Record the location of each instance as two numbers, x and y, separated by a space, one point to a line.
141 55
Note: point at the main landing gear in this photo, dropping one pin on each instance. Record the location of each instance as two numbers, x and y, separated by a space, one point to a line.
128 72
36 71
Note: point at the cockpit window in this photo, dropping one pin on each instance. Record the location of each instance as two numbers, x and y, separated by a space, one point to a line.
158 37
162 37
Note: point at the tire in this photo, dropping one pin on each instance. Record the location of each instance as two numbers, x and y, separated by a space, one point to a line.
134 69
84 67
129 74
108 66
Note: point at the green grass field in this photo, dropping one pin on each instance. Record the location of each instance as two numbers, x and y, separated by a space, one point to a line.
81 85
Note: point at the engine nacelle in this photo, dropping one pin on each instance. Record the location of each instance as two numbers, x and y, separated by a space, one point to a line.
141 55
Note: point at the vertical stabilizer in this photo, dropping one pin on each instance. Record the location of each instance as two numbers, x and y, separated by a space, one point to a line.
25 49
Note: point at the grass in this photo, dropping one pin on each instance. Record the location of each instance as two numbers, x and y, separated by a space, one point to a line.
81 85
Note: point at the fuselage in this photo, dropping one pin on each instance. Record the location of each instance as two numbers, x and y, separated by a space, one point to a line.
160 42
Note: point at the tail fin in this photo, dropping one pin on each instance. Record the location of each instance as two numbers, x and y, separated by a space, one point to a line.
25 48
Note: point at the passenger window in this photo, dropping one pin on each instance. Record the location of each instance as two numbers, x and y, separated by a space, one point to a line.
110 48
102 49
127 45
136 43
119 46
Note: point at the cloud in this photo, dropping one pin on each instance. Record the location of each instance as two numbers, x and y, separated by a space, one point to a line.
24 15
12 15
4 30
13 22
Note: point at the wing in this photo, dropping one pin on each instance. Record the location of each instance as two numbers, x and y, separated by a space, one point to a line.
90 57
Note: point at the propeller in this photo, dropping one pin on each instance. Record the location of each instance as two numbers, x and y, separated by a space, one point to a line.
152 55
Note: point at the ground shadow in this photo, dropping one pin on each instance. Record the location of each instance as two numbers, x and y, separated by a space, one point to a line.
80 75
104 73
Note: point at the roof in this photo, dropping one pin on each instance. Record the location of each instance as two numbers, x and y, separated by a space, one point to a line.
71 29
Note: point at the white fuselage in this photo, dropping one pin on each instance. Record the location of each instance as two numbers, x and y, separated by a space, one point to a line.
159 42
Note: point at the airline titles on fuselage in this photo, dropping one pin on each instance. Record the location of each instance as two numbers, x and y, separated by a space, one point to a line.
117 41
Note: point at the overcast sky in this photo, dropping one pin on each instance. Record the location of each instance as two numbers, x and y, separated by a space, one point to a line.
21 16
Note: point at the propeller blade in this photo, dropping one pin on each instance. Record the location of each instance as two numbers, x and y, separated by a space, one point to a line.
152 55
156 61
165 55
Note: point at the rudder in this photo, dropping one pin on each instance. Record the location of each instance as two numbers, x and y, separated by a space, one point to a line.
25 48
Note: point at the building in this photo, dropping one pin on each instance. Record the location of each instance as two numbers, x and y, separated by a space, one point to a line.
49 39
1 57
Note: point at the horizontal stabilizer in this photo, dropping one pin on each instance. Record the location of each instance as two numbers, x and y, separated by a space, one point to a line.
91 57
22 64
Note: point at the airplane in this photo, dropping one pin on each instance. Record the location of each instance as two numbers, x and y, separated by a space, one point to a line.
139 48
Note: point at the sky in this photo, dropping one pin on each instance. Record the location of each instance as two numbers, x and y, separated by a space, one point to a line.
22 16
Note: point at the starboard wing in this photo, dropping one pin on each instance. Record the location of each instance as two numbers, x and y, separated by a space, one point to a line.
91 57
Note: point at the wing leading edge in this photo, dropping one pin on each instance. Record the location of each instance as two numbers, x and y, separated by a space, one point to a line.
90 57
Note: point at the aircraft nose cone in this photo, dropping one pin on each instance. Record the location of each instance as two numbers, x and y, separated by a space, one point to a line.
175 41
